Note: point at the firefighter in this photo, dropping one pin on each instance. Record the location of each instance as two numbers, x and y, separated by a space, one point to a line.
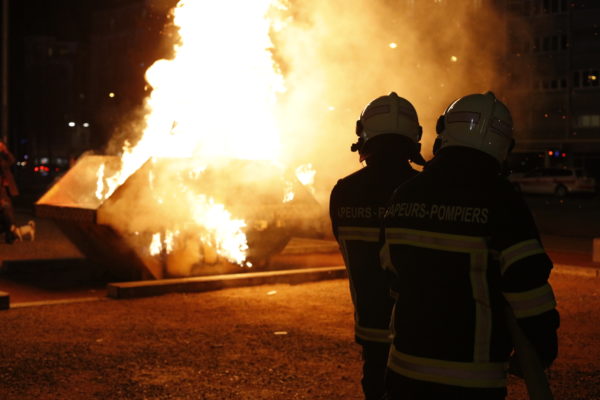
464 250
388 137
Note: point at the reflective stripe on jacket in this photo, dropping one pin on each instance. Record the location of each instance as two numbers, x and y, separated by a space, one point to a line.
358 203
467 374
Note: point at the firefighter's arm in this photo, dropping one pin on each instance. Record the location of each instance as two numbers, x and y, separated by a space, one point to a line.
525 269
530 297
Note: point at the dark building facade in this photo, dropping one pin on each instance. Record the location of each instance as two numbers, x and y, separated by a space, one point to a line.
52 91
553 64
126 38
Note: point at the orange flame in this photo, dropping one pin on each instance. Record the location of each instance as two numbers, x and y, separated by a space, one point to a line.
214 100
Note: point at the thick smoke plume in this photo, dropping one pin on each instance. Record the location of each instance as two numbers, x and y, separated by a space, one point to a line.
335 56
338 55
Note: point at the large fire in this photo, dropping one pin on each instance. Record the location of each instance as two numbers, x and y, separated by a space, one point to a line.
214 101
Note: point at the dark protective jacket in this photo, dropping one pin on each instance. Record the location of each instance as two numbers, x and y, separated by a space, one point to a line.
357 204
462 246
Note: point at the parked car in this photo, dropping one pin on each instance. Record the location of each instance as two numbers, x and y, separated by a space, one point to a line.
557 181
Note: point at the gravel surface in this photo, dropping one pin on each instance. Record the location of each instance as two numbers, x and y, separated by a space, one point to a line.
266 342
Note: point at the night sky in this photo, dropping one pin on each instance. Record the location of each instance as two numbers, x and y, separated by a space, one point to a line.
63 19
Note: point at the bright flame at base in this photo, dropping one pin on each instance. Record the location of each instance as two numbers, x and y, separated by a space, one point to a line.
224 232
214 100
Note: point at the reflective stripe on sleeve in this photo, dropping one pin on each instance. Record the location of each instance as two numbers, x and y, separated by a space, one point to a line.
373 335
518 252
358 233
532 302
435 240
465 374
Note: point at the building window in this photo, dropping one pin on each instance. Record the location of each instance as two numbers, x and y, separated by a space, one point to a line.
541 7
550 84
586 78
551 43
593 78
588 121
546 44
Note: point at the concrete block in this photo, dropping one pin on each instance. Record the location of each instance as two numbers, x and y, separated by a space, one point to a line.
596 250
128 290
4 301
588 272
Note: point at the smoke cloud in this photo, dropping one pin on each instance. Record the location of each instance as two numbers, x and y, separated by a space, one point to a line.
335 57
338 55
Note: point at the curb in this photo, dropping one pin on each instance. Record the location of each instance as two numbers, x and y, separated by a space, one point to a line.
4 301
576 270
25 304
129 290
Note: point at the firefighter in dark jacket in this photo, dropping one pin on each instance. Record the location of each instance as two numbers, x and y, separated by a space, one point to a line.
463 251
388 137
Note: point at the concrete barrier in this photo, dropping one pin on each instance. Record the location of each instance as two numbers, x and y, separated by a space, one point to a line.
596 250
128 290
587 272
4 301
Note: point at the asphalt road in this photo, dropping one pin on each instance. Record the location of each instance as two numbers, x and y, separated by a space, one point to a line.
571 216
268 342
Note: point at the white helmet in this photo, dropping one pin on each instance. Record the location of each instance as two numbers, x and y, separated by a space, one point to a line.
479 121
388 114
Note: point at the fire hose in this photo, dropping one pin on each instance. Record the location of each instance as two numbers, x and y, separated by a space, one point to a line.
528 361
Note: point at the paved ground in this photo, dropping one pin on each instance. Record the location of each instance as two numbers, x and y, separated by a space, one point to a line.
269 342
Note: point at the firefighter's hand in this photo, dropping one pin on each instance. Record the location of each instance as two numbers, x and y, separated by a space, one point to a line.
514 366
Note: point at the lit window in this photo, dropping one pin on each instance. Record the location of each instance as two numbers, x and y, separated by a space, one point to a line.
589 121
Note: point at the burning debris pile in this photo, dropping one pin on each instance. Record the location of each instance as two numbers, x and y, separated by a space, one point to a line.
204 185
173 218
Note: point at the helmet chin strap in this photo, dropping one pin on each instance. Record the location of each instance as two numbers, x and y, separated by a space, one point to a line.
358 145
417 158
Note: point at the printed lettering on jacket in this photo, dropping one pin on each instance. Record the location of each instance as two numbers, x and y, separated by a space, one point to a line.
440 212
360 212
